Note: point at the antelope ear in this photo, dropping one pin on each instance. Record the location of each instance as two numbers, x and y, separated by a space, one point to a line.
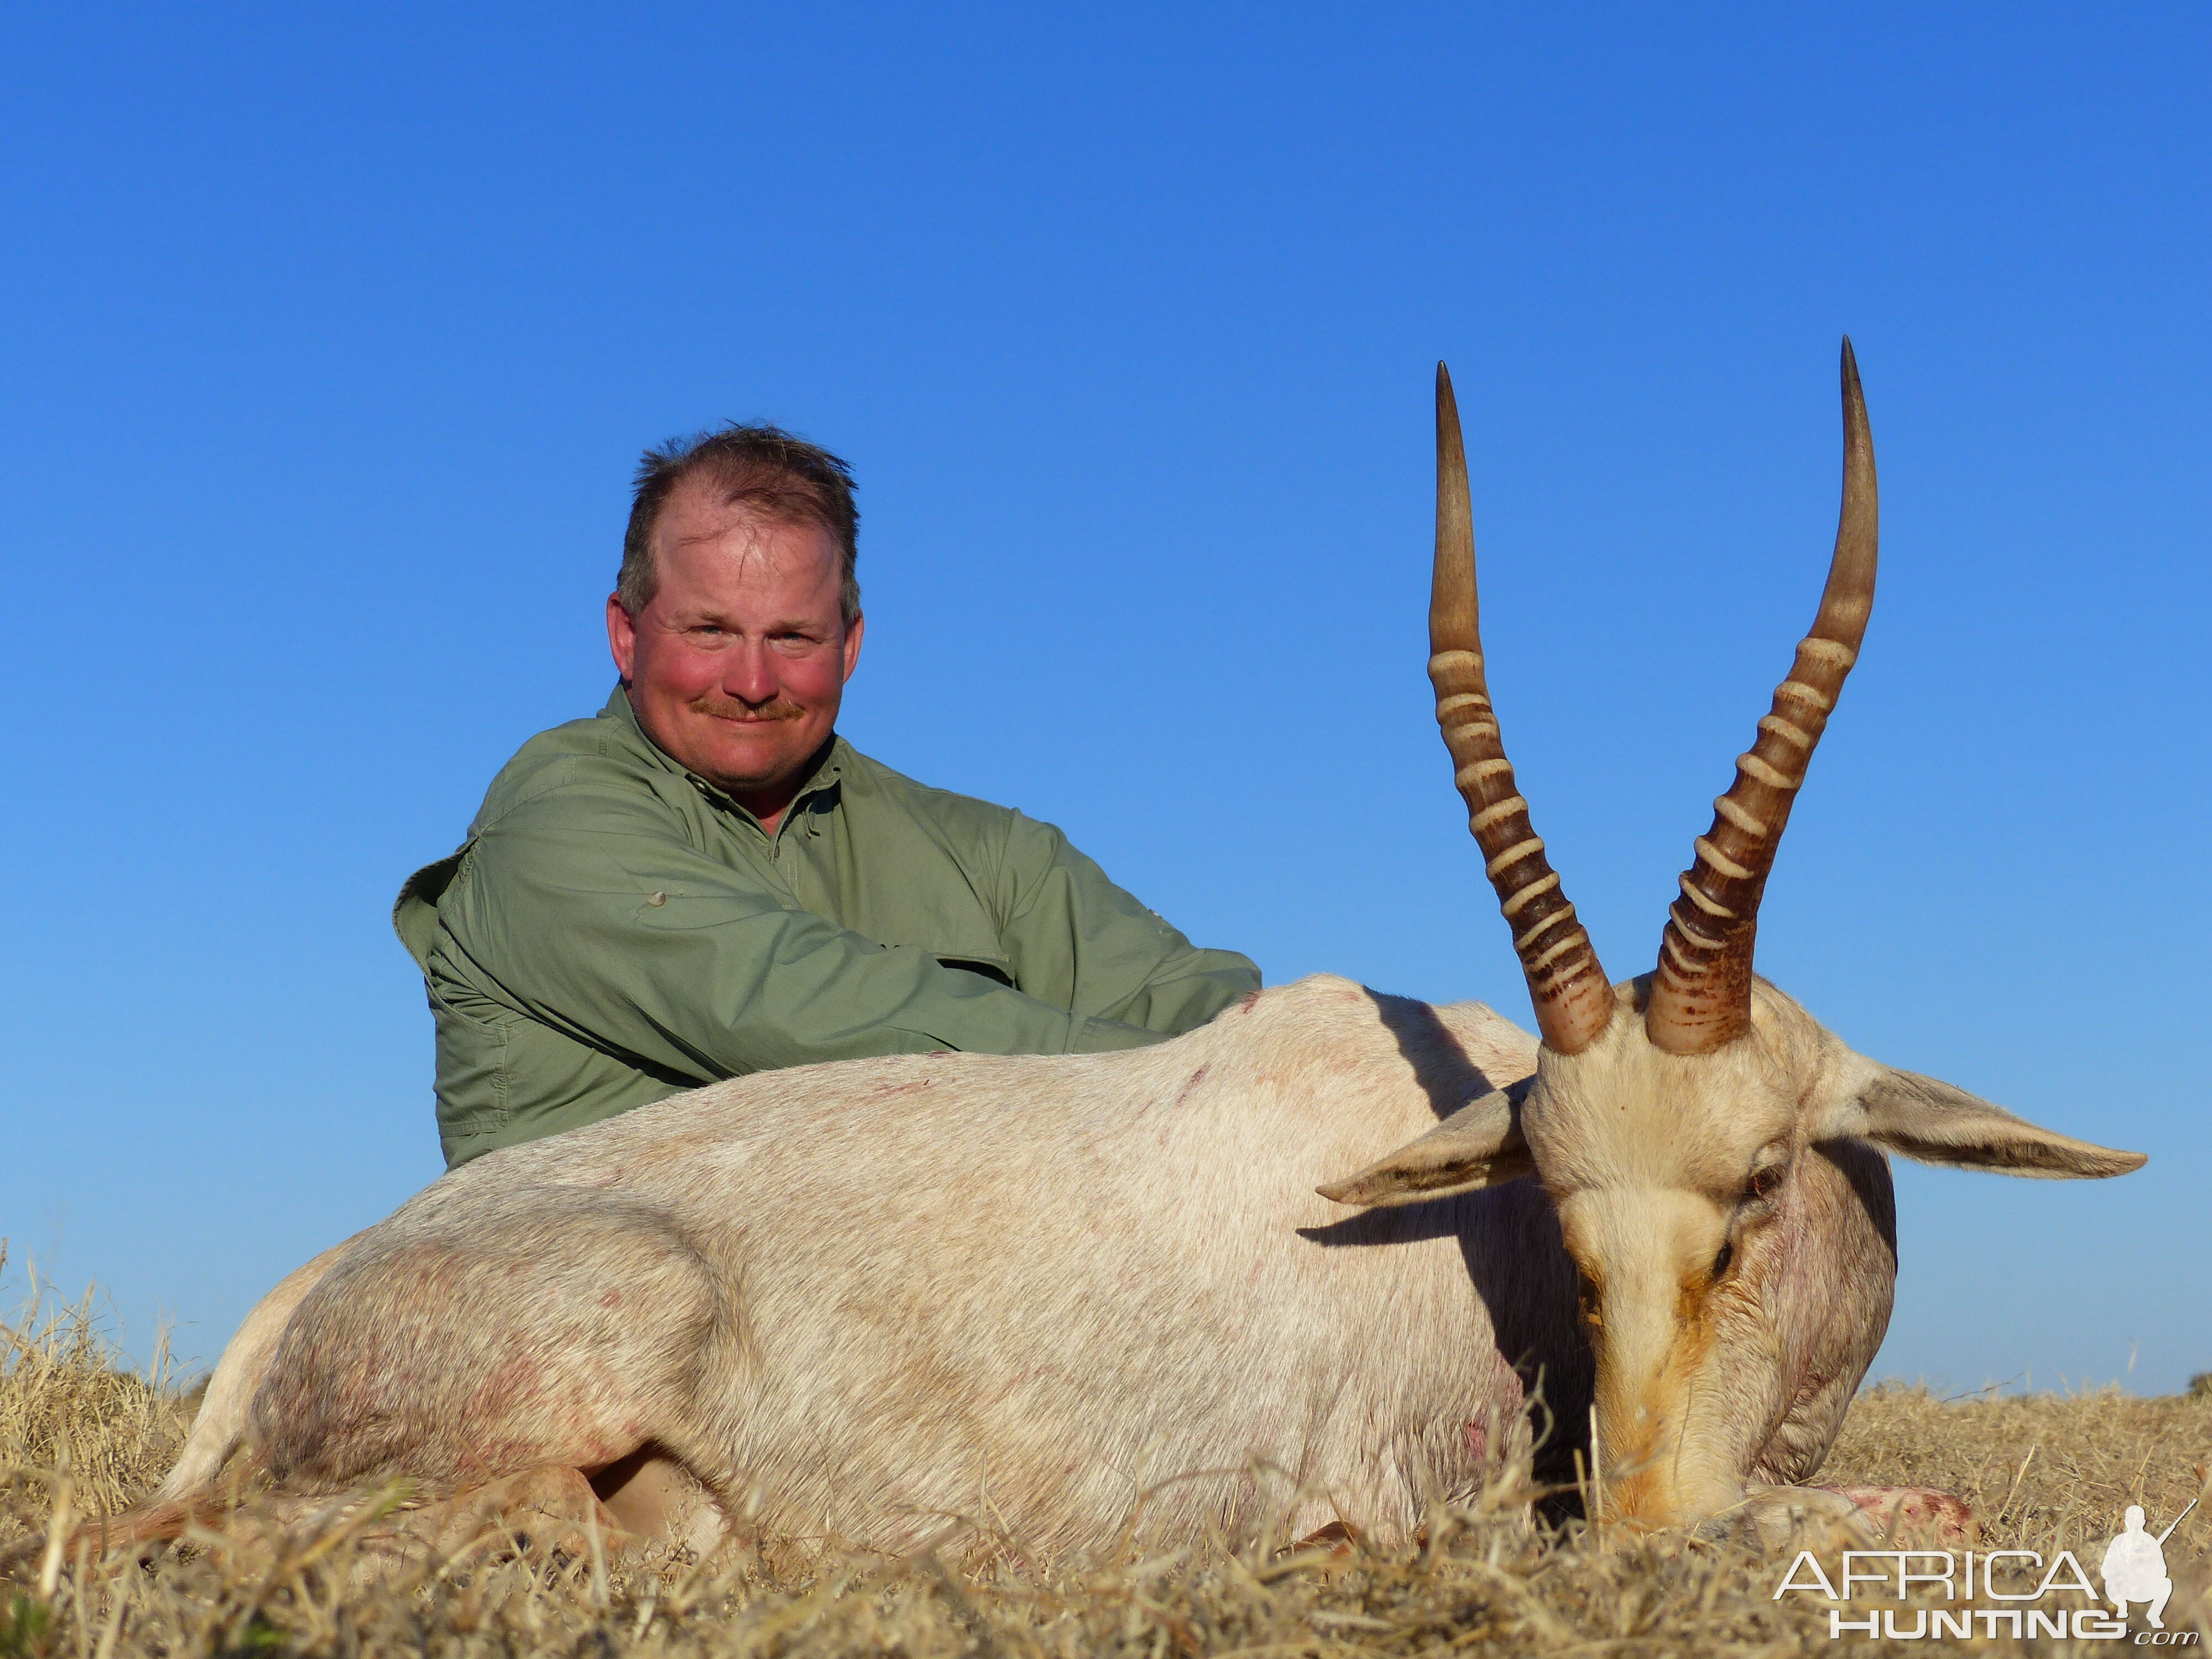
1477 1145
1922 1118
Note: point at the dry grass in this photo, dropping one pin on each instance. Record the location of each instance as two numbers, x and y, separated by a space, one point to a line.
2044 1472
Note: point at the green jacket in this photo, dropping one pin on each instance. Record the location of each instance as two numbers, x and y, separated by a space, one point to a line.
616 929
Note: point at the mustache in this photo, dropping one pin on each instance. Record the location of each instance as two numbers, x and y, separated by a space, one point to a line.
717 706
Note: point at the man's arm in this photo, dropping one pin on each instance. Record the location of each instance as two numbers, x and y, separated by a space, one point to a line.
588 911
1077 940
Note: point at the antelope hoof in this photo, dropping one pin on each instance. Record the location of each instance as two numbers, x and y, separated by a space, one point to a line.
1918 1515
1775 1517
1868 1516
551 1510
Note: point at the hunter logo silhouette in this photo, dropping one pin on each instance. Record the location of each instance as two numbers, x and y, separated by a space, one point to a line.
2134 1567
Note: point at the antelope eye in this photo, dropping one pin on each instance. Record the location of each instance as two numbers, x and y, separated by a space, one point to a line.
1764 1182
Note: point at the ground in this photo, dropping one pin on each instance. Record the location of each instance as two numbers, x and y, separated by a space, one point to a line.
2042 1472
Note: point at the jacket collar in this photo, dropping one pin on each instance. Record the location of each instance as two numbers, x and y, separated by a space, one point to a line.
827 766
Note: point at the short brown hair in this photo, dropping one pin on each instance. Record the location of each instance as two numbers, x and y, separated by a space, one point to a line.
767 469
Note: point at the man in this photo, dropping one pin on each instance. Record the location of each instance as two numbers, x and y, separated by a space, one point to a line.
706 880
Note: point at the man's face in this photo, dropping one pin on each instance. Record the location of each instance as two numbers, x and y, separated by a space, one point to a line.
736 665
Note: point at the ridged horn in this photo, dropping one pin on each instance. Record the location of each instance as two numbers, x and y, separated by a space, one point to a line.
1701 995
1574 999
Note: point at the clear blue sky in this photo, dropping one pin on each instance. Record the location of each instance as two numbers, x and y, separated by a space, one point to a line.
328 338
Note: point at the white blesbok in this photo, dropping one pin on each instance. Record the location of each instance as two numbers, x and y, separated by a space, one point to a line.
1074 1295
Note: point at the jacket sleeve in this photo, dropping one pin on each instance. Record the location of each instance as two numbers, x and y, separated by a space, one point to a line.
592 913
1078 940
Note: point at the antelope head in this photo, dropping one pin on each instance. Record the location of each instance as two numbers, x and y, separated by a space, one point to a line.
1704 1140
